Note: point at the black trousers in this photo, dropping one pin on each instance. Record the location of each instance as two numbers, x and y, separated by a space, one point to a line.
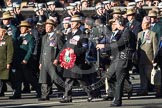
24 71
46 88
117 76
69 83
34 67
161 79
1 86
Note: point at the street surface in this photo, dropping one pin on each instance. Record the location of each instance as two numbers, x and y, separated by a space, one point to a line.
80 101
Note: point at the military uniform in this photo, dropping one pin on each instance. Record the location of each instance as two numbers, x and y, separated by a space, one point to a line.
147 44
25 45
76 73
6 49
158 60
52 43
37 49
135 27
6 55
13 32
156 27
120 64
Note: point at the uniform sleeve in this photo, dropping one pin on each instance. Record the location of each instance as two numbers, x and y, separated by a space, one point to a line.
138 29
15 32
60 45
40 60
159 32
121 42
60 41
84 46
30 49
10 50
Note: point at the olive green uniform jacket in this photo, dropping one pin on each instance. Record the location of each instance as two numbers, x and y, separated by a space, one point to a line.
6 54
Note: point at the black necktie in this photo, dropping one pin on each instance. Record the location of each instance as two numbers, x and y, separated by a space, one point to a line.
142 39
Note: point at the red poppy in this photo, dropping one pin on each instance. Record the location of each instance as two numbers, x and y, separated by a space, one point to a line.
67 59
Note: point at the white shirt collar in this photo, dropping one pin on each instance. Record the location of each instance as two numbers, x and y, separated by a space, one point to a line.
152 24
74 31
23 35
50 34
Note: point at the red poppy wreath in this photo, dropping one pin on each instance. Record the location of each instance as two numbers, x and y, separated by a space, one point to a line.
67 59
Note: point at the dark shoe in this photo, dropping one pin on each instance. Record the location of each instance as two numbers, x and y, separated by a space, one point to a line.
26 91
2 94
96 93
38 96
107 98
115 104
43 99
51 92
142 94
32 88
15 97
158 95
66 100
130 94
90 99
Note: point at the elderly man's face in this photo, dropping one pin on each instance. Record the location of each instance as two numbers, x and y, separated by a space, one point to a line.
117 24
153 19
130 17
23 30
116 16
66 25
145 25
74 25
6 21
48 28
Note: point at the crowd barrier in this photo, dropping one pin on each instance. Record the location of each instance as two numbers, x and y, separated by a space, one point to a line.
89 11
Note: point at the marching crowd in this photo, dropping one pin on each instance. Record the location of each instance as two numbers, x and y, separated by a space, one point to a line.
73 48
